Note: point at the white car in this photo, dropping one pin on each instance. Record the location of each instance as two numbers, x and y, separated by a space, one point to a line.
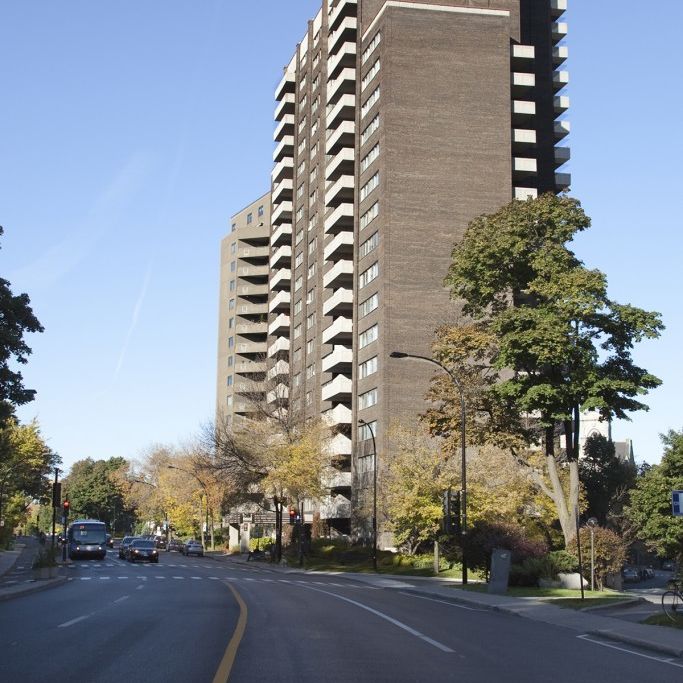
193 548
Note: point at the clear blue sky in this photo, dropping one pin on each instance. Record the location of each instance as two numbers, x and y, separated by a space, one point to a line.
131 131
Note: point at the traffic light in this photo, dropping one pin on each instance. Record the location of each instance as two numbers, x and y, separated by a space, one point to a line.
292 515
56 493
65 508
451 512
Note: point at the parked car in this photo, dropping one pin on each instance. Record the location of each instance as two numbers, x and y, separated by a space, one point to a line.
630 575
160 543
193 548
668 565
127 540
176 544
142 549
647 573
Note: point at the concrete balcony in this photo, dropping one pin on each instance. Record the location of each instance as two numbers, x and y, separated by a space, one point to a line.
562 155
560 79
525 193
339 275
337 507
285 127
282 257
523 138
339 389
281 235
287 84
278 395
282 213
283 191
278 348
562 129
250 368
344 84
281 279
246 386
252 272
521 82
560 55
339 360
340 163
526 53
557 8
285 148
340 191
280 369
343 136
280 326
343 110
340 302
523 110
253 290
250 347
339 247
561 104
524 166
281 302
285 106
558 30
340 219
563 181
339 415
283 169
252 253
345 31
339 332
250 329
251 309
339 480
344 57
343 8
341 445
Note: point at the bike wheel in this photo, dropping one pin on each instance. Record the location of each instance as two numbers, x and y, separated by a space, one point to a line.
671 604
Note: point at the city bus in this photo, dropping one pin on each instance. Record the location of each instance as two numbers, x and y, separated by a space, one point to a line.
87 538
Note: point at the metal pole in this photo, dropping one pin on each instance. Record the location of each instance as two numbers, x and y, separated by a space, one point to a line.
578 552
54 509
463 458
374 492
592 561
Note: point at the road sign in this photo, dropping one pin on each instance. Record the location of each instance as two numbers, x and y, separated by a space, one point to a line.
677 503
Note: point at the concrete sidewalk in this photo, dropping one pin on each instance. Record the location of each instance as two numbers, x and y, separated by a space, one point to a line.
15 571
661 639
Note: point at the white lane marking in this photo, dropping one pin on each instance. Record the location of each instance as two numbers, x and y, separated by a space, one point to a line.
196 578
102 578
214 578
159 577
121 599
669 661
121 577
110 565
272 580
140 587
66 624
386 617
178 577
443 602
247 578
86 578
284 581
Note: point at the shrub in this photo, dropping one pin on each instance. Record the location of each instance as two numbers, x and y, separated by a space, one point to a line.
260 543
46 557
562 562
610 553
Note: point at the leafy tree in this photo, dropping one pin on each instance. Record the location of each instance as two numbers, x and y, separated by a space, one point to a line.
605 479
412 485
650 505
609 552
560 343
16 319
26 464
94 492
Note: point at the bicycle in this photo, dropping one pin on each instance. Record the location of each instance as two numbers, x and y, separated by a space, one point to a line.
672 602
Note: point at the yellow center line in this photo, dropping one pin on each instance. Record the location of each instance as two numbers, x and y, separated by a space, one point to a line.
225 667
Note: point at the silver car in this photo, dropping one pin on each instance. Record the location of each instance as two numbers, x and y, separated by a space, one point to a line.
193 548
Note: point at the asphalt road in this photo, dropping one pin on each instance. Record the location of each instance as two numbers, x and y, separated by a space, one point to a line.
180 621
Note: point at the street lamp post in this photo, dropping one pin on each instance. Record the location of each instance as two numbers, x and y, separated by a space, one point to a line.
591 523
463 459
201 483
374 492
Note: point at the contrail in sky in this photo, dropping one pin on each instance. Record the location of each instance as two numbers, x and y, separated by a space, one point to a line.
134 319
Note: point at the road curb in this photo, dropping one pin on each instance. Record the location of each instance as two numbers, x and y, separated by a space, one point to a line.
675 651
615 605
34 587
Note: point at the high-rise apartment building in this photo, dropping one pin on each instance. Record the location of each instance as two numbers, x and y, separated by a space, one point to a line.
396 123
243 310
